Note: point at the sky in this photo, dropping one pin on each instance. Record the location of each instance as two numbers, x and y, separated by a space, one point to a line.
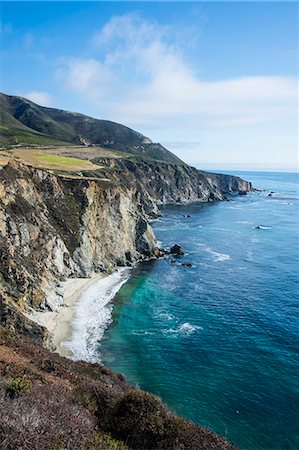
214 82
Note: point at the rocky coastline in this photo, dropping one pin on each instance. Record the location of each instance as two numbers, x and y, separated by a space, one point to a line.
53 228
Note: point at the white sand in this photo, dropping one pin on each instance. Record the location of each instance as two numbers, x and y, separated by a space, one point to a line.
59 323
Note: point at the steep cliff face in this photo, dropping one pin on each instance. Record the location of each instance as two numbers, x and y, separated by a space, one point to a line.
164 183
51 228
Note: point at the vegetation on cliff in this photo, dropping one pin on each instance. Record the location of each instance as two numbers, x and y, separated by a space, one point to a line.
50 402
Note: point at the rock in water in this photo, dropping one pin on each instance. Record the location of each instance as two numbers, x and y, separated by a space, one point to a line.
176 249
159 252
187 264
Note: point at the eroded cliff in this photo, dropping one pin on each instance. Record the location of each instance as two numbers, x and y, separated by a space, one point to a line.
53 227
164 183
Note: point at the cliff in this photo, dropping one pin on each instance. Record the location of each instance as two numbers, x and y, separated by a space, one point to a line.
166 183
52 228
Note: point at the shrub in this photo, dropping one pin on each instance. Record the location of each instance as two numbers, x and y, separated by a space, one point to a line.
16 386
108 442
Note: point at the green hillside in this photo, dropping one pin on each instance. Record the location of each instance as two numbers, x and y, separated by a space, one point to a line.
24 122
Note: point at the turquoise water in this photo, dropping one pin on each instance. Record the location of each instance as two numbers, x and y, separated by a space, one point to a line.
218 342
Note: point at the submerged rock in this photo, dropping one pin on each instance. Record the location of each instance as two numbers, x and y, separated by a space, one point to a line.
187 264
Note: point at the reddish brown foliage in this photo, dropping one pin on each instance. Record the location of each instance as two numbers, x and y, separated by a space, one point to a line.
72 405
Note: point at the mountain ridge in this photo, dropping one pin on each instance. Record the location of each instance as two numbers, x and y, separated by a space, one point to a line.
61 126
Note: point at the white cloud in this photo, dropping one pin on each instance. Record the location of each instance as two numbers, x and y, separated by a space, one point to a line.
89 77
39 97
141 78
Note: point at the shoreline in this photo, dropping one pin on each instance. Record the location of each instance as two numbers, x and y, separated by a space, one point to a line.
93 315
60 323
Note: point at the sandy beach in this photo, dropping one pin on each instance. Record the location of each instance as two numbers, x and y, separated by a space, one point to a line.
59 322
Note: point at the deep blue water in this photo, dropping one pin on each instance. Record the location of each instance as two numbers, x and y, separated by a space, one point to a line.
218 342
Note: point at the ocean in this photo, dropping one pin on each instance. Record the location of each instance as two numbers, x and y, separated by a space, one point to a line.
218 342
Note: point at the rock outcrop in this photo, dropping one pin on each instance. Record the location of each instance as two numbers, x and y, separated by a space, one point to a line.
164 183
52 228
176 249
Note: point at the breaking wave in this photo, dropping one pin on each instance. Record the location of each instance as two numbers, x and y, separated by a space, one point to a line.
185 329
93 314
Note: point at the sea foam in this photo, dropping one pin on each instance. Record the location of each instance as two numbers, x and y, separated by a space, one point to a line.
93 314
185 329
216 255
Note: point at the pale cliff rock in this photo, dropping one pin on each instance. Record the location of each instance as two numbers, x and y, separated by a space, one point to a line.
52 228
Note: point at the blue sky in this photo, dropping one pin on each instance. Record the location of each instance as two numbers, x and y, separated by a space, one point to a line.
215 82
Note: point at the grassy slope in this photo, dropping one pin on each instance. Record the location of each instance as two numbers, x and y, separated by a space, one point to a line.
12 131
46 160
22 121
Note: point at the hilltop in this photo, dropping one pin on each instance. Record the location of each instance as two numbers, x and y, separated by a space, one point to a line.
22 122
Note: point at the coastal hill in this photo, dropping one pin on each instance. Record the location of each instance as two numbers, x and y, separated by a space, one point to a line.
70 210
24 122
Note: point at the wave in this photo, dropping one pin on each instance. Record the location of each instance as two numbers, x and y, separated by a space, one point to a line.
224 229
93 314
166 316
284 198
184 330
217 255
141 333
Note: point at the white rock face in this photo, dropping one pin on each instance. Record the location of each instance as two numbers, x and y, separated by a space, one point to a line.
146 140
53 228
